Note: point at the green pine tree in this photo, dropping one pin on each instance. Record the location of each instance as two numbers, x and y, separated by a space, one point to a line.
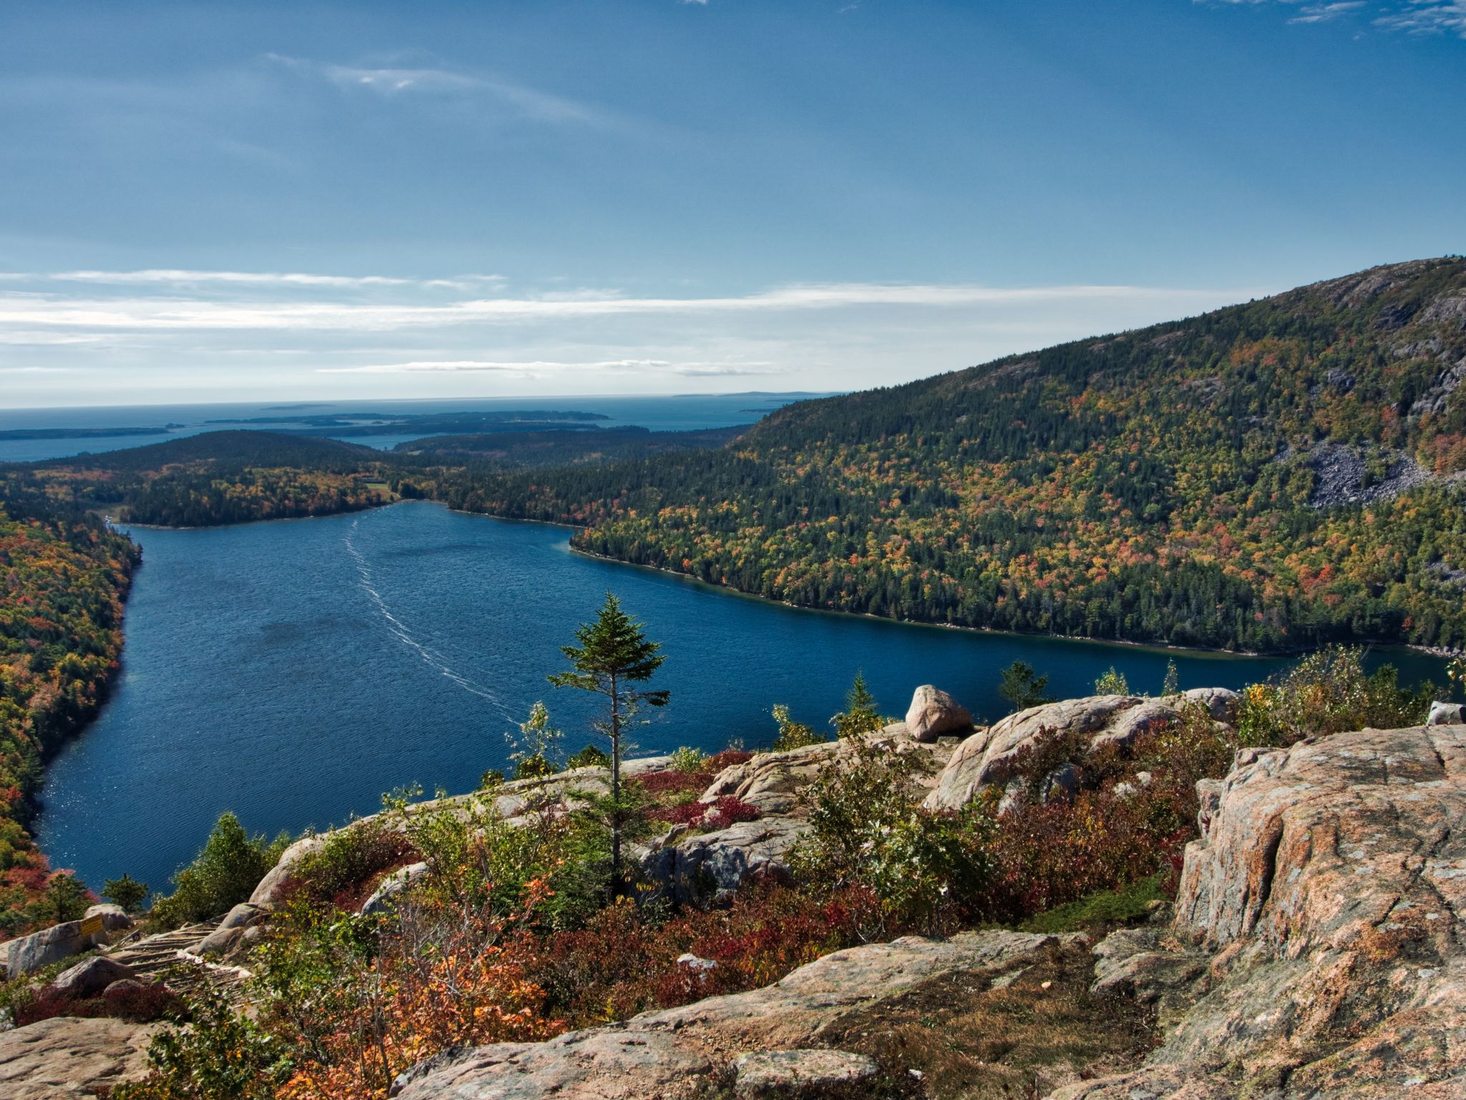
613 656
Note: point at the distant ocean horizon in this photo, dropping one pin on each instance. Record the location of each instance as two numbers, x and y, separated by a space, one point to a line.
671 412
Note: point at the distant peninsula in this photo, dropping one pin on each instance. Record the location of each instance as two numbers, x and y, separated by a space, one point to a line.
369 423
80 433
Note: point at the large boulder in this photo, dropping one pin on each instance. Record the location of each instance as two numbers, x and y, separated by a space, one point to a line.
272 889
49 945
67 1057
709 867
90 977
933 713
1093 722
1220 703
1330 884
980 758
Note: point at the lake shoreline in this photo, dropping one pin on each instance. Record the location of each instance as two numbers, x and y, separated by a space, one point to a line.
983 631
1445 653
292 674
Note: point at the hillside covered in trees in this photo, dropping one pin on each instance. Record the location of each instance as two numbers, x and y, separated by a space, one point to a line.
63 577
1268 476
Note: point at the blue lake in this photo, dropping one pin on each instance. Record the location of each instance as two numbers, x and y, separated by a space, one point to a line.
293 671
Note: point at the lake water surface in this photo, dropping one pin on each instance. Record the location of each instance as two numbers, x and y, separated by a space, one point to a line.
293 671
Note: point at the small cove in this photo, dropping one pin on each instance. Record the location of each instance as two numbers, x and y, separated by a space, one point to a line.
294 670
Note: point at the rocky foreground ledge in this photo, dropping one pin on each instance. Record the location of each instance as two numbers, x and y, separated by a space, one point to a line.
1316 951
1323 911
1315 948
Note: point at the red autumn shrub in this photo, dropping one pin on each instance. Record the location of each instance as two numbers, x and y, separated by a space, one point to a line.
620 963
727 810
727 758
674 782
141 1002
1117 831
686 813
718 814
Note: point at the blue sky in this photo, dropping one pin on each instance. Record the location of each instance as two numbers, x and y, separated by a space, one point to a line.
259 200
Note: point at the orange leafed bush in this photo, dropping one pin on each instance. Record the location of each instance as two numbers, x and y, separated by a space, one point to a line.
413 1009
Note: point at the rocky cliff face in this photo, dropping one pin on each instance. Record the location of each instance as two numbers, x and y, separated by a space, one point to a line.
1325 900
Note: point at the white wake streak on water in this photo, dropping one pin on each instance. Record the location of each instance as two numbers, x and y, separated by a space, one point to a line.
404 634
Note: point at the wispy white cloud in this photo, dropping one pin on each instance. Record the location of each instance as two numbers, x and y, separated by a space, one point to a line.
1428 17
263 279
1424 17
390 82
1326 13
40 310
165 333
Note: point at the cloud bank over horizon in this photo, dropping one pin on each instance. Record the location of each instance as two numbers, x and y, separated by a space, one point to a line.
237 334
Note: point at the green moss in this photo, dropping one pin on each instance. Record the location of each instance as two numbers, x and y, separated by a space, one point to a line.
1124 906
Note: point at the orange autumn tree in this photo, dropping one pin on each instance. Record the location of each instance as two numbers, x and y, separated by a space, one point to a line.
442 980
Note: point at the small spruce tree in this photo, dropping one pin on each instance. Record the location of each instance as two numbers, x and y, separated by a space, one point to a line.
613 657
1023 687
860 714
126 892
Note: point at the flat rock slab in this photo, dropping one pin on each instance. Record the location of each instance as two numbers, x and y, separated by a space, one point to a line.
797 1074
685 1052
66 1057
600 1064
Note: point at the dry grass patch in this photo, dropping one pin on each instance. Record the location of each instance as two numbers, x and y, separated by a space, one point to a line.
1019 1034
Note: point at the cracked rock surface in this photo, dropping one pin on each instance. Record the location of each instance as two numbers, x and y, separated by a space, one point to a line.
1330 884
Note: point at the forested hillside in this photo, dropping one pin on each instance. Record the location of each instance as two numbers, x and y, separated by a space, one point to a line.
63 576
1267 476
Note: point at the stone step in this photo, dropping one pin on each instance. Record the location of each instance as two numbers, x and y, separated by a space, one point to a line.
163 956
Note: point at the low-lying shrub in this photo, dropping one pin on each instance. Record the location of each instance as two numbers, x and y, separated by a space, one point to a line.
141 1002
223 874
928 871
719 814
1328 691
792 734
347 865
624 961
